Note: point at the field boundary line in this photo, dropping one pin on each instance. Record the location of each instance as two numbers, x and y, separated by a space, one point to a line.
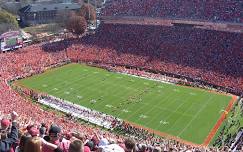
223 116
181 113
204 89
156 106
195 116
46 71
162 134
143 77
205 142
166 109
19 84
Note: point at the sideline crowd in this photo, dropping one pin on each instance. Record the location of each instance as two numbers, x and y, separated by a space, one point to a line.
217 11
203 55
191 52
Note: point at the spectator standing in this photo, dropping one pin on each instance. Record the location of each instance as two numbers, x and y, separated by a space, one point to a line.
5 145
56 138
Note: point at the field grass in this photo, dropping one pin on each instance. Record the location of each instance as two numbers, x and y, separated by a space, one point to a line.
183 112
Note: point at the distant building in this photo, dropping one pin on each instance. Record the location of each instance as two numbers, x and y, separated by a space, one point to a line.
45 13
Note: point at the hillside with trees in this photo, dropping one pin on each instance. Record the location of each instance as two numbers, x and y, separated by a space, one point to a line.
7 21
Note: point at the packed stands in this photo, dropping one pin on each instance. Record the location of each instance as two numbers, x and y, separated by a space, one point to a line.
211 56
216 11
32 60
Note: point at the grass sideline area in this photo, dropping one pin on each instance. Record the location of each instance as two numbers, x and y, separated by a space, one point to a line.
230 127
183 112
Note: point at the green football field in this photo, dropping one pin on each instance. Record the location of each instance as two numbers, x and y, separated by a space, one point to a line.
183 112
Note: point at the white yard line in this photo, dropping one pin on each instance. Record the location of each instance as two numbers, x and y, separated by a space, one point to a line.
195 116
180 117
174 111
157 106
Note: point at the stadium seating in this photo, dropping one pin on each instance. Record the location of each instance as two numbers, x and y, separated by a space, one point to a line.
211 56
216 11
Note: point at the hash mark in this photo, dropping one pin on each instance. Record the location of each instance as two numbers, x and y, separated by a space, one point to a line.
143 116
125 110
44 85
164 122
109 106
193 94
79 97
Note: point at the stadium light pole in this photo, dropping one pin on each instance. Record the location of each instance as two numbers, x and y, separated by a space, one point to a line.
65 41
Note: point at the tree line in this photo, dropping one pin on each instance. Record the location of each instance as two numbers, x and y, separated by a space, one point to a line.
77 21
7 21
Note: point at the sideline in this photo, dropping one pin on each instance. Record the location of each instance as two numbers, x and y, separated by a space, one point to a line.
162 134
220 121
209 136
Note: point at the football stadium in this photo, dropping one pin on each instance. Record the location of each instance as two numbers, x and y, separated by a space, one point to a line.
153 76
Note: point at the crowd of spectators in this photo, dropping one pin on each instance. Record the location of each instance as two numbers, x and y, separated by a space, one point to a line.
144 74
39 137
212 56
217 11
77 111
25 136
234 122
25 62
